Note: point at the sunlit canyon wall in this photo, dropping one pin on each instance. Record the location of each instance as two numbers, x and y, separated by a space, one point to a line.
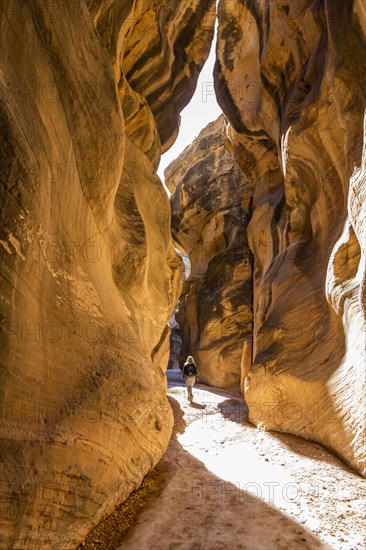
291 80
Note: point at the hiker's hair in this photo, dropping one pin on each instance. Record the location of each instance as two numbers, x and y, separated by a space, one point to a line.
190 359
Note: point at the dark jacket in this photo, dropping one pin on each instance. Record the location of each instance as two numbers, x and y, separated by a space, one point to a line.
185 369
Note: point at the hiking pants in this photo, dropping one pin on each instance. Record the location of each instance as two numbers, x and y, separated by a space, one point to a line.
190 381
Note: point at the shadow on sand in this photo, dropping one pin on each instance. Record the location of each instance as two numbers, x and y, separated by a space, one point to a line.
217 514
195 405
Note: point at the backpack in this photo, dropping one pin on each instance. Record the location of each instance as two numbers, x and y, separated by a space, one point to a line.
190 369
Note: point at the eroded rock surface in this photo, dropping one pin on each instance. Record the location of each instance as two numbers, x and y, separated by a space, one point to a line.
291 78
211 206
90 96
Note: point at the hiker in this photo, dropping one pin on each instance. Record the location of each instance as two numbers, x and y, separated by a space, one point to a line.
190 375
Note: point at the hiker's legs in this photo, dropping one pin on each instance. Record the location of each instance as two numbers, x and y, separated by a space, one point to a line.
190 380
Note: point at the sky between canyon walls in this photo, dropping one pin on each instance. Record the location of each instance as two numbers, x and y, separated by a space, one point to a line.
202 109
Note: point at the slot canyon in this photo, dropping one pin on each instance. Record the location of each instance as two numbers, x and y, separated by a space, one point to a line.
249 256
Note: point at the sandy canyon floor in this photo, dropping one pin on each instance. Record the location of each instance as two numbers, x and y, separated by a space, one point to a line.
224 484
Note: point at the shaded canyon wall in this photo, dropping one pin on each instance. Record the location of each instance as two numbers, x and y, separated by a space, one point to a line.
90 97
211 204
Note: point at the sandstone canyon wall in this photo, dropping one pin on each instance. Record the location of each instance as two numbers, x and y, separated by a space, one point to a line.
211 204
291 79
90 97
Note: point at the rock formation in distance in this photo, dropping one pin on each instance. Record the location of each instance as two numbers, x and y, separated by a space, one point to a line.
211 205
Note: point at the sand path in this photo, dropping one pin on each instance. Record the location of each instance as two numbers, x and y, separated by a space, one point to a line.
224 484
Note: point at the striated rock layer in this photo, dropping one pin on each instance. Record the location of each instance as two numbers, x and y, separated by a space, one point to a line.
291 78
211 206
90 96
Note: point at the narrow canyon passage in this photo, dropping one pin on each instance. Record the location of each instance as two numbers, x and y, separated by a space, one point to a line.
225 484
254 265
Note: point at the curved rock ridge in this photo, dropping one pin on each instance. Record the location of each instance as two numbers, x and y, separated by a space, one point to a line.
291 79
211 206
90 276
159 48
